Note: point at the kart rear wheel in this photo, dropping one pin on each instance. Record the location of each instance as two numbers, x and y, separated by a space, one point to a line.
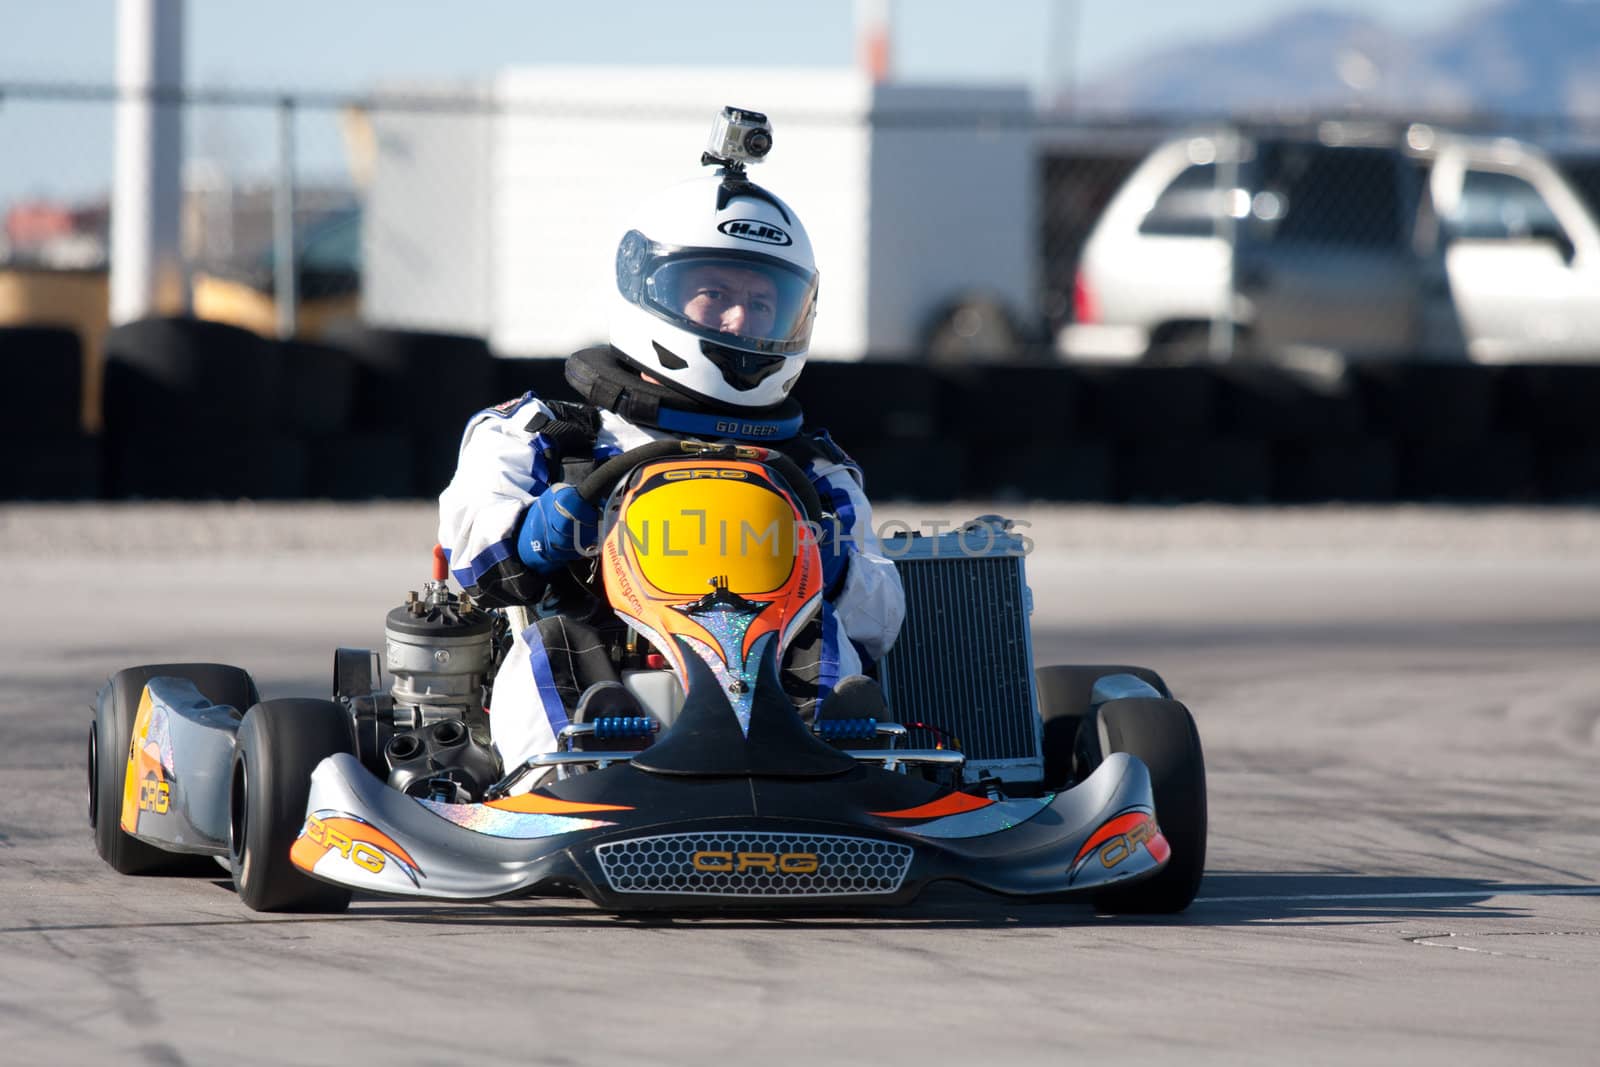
280 743
1064 701
1163 735
111 735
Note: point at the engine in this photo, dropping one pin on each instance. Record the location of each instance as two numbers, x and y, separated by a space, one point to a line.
439 649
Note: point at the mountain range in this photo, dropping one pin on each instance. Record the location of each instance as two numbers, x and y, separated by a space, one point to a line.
1526 59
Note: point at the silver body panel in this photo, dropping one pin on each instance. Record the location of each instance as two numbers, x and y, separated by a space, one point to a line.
410 847
195 738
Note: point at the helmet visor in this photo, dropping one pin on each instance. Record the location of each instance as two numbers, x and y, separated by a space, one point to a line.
733 298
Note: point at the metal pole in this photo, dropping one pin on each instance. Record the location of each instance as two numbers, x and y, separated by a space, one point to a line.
147 195
284 275
1229 146
1064 22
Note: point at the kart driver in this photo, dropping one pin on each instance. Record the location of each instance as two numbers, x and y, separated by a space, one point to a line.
710 319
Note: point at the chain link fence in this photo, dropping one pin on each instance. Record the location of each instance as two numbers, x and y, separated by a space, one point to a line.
965 227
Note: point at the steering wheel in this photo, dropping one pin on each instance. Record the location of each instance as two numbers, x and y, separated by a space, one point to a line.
604 478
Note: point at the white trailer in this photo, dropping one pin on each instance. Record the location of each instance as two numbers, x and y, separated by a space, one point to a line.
505 223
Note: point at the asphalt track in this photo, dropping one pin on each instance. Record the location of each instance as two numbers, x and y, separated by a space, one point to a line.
1401 715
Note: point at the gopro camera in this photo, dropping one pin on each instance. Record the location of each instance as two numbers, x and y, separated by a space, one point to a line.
739 137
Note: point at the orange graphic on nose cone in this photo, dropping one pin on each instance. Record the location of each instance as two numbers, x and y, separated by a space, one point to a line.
1120 837
692 530
355 840
535 804
953 804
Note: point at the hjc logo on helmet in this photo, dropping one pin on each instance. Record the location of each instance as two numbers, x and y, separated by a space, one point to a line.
755 230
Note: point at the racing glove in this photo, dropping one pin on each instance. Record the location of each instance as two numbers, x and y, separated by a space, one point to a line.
559 525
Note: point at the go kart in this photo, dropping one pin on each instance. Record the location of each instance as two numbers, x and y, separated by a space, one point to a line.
704 789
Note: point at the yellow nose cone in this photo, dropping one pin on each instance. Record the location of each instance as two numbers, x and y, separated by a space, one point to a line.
709 524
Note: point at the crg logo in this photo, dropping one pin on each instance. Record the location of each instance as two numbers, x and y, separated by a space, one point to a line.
755 230
680 475
359 853
766 862
155 796
1119 848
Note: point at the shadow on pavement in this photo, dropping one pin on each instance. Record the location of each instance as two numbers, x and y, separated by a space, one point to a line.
1248 896
1227 898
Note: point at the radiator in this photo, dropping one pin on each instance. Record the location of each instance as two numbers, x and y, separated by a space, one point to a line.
964 659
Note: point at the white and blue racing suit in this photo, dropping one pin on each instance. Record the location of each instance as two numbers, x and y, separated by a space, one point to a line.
503 466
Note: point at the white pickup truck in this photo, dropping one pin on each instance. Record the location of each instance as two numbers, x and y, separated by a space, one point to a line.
1357 240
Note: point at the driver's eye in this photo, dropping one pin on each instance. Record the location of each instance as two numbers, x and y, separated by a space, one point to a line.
711 294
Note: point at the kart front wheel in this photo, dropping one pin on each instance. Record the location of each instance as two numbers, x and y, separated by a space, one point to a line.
280 743
1162 734
110 739
1064 692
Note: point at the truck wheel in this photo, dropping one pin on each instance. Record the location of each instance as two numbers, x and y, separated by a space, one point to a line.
974 329
280 743
111 735
1175 344
1064 701
1163 735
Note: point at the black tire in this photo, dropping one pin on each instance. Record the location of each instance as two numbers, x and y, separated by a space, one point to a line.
1064 701
455 372
110 736
173 375
161 465
44 364
1162 734
1177 343
974 329
280 743
58 466
318 387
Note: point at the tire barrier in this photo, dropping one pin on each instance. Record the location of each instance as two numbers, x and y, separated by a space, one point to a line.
1259 402
425 383
545 377
1569 473
192 412
50 465
198 410
1494 467
1074 471
912 470
407 375
1352 469
190 376
1556 406
1136 404
867 404
361 466
43 368
318 389
1427 401
206 465
1556 402
992 406
1190 471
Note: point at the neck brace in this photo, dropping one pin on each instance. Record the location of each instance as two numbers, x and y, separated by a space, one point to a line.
601 377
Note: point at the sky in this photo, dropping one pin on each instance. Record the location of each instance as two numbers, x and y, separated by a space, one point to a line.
356 45
350 44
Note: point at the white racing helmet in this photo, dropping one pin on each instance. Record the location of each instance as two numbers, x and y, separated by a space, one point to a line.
716 292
